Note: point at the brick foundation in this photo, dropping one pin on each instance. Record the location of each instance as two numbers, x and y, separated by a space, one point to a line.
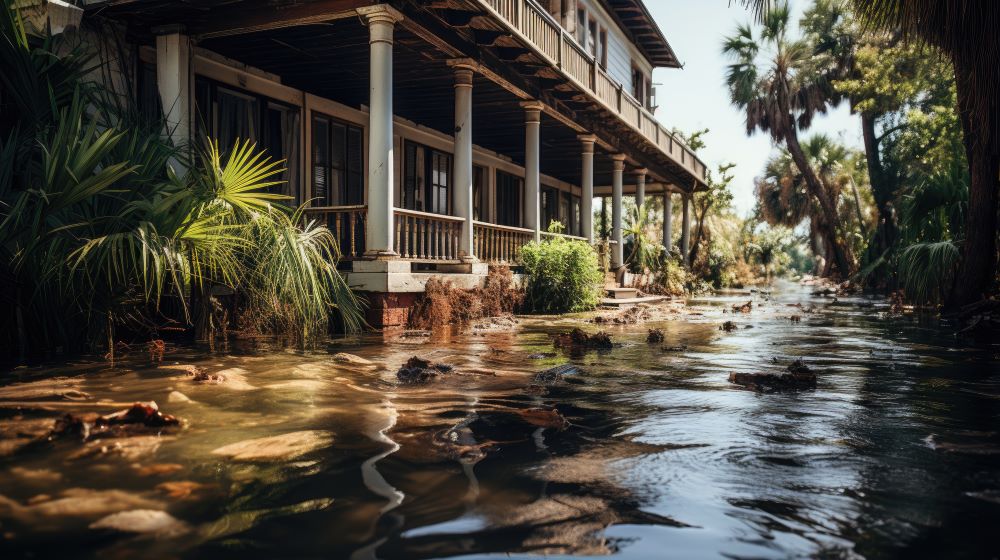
386 310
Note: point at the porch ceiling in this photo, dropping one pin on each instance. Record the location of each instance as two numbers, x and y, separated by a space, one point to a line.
331 60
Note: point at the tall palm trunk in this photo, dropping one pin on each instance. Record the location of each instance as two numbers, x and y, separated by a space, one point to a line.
978 269
840 253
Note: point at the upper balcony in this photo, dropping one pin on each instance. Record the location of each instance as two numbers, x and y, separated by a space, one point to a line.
523 23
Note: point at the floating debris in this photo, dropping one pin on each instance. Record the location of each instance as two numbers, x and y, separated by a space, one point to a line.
555 374
744 308
678 348
799 377
728 326
577 340
419 370
141 417
655 336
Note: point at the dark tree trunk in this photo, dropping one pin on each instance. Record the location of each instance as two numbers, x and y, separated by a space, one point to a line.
840 253
979 114
883 190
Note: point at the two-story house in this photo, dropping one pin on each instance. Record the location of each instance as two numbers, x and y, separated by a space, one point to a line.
433 136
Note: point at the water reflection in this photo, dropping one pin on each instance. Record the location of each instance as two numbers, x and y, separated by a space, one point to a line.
645 450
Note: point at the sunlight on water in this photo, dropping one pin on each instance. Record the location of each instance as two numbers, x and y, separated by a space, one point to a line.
646 451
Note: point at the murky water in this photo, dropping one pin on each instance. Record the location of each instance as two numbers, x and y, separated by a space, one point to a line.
646 452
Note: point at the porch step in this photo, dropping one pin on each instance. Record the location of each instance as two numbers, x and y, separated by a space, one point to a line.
622 293
629 302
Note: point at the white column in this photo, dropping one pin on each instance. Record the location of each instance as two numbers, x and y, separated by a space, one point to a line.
640 186
668 219
173 81
381 21
685 227
618 254
532 181
463 159
587 184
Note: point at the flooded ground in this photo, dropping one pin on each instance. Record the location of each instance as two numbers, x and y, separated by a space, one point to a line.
646 451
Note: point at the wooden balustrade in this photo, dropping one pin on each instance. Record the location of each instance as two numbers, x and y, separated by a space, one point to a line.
576 62
497 244
422 236
347 223
541 30
536 27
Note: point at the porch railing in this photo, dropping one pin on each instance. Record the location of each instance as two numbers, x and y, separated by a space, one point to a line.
536 27
422 236
497 244
347 223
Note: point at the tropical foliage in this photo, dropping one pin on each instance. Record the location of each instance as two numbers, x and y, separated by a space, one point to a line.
561 275
102 233
781 87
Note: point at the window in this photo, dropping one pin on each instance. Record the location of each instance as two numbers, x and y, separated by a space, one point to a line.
550 207
592 38
564 215
426 179
479 203
581 27
147 93
603 49
639 85
337 160
228 115
509 188
575 216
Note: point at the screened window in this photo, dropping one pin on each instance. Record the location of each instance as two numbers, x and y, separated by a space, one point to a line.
337 160
509 189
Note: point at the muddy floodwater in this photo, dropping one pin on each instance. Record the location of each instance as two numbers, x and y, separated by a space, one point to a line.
644 450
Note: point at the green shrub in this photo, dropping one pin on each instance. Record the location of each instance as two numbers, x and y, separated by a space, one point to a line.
561 275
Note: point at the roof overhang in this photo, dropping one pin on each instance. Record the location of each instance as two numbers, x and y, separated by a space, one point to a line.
635 19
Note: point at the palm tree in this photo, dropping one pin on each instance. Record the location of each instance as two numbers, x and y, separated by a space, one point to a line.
965 30
781 92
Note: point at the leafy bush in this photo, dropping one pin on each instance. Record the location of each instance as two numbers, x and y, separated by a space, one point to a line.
561 275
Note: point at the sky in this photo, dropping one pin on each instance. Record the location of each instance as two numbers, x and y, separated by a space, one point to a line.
695 97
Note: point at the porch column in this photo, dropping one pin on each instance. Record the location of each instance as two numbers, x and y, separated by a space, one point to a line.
463 158
685 227
587 184
640 186
381 20
532 181
618 254
668 219
173 82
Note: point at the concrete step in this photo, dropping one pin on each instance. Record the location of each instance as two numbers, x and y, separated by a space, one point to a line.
623 293
629 302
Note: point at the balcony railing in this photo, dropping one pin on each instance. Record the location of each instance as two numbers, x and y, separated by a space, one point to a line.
535 26
347 223
497 244
422 236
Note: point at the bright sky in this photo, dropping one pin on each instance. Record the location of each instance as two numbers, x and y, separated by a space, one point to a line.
696 97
